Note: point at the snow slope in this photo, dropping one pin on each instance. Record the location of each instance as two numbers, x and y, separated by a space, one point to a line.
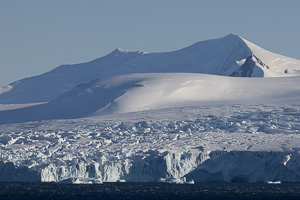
223 56
138 92
277 63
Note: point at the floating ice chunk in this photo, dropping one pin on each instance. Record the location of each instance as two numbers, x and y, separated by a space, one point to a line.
274 182
80 180
286 159
175 180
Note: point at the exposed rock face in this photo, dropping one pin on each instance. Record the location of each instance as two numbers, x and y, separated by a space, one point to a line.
251 68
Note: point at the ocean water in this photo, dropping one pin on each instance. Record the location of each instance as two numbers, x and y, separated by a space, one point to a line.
145 191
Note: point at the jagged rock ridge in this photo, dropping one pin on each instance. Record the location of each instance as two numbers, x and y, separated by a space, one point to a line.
252 67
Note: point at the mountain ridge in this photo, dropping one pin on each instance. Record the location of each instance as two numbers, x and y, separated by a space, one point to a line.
215 56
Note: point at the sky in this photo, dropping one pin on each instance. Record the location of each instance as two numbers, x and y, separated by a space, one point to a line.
38 35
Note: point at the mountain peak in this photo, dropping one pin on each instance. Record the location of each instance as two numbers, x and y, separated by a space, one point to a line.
232 35
120 50
215 56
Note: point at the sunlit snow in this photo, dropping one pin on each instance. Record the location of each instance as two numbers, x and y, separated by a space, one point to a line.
125 117
217 57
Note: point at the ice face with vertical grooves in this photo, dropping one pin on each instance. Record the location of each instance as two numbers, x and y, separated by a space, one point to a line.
234 166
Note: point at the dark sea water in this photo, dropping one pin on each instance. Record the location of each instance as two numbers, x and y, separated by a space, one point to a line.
145 191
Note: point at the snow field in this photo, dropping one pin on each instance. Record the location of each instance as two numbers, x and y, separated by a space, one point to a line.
140 92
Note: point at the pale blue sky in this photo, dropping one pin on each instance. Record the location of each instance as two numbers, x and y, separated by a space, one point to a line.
37 35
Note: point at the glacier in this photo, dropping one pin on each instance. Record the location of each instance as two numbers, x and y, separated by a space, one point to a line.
236 143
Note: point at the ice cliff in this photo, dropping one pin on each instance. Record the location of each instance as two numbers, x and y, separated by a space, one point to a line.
216 143
233 166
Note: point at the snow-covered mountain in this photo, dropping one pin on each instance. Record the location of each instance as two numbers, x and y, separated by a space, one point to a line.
112 120
139 92
229 56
